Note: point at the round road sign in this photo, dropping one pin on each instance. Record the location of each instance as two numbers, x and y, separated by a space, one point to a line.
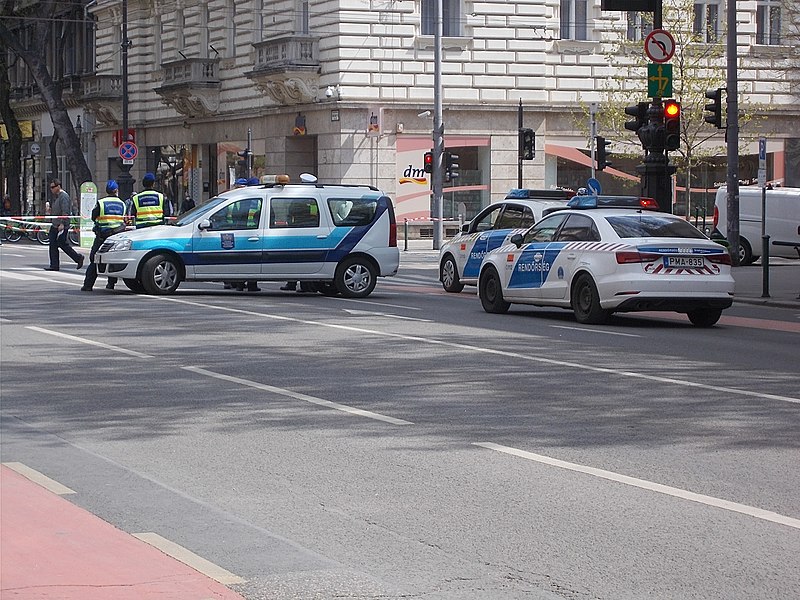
128 151
659 45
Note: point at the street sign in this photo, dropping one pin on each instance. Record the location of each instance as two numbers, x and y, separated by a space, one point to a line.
762 162
659 45
659 81
128 151
594 186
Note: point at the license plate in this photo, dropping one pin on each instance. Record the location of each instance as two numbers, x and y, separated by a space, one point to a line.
683 261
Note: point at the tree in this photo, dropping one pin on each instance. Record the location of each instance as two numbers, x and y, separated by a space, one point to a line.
12 163
27 31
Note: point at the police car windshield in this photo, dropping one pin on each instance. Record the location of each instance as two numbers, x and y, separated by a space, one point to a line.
652 225
198 211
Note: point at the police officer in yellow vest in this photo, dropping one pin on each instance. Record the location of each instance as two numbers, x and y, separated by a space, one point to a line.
149 207
109 218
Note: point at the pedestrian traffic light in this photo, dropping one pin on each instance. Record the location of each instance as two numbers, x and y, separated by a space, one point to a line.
672 124
245 163
527 144
714 108
451 166
601 153
427 162
639 112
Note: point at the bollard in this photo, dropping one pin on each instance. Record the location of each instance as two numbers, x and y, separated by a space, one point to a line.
765 266
405 234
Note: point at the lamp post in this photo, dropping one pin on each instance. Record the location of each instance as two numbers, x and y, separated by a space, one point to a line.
79 131
125 180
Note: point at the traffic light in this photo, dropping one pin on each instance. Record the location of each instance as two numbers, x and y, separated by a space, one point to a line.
639 112
672 124
245 163
601 153
714 108
527 144
451 166
427 162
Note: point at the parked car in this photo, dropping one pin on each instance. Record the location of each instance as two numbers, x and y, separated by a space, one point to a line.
601 260
340 237
782 224
460 257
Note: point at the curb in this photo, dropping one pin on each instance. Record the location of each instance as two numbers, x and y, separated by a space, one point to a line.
795 304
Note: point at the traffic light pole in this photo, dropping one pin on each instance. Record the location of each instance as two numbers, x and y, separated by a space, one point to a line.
437 177
732 137
125 180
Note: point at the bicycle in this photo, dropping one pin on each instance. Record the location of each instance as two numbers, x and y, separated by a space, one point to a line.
11 232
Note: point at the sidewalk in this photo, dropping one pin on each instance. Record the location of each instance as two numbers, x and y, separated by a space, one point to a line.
784 277
53 549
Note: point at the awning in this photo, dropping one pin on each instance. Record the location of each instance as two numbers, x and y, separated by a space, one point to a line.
579 157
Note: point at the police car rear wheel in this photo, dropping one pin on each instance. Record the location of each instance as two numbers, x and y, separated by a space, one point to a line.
134 285
704 317
491 292
586 302
355 278
160 275
448 274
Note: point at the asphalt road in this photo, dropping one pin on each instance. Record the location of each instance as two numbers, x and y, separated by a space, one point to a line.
409 445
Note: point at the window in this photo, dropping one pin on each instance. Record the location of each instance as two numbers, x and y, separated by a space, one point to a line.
352 212
451 17
768 22
205 33
486 221
230 23
653 226
293 212
180 29
158 30
706 20
303 19
574 19
639 25
242 214
544 230
515 217
579 228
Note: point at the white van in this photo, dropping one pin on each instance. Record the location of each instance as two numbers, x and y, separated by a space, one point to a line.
783 221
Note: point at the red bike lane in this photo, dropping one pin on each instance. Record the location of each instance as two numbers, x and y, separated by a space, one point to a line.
50 548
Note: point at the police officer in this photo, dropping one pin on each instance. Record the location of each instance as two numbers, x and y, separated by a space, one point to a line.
109 218
149 207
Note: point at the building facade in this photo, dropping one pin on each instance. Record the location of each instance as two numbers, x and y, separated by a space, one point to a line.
344 89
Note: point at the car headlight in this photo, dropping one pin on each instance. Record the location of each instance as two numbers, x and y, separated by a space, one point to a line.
120 244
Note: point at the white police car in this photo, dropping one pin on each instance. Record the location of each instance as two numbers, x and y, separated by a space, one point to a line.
460 258
341 237
598 261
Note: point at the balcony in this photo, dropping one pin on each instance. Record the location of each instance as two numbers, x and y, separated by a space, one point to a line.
287 68
191 86
102 96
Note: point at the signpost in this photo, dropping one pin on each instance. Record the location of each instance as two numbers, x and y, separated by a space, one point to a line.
128 151
88 201
762 181
659 45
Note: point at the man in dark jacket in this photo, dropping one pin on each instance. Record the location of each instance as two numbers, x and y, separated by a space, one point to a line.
59 228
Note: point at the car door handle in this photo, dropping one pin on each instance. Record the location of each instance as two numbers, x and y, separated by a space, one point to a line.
253 238
572 256
322 237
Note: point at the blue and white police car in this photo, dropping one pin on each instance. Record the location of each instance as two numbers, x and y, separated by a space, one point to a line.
598 260
340 237
460 257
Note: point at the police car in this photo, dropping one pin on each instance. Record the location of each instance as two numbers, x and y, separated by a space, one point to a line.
598 260
340 237
460 258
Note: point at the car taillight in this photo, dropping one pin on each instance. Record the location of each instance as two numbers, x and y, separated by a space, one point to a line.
392 235
723 259
648 203
624 258
716 217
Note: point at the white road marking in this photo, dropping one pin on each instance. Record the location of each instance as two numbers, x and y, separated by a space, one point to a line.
75 338
744 509
595 330
504 353
187 557
361 301
39 478
298 396
380 314
11 254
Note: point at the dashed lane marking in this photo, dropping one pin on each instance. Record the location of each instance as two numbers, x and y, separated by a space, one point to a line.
595 330
75 338
298 396
39 478
752 511
187 557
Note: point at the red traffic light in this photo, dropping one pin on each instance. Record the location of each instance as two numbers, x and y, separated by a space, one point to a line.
428 162
672 109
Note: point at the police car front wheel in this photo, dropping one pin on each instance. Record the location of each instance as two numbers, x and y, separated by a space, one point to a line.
356 277
161 274
448 275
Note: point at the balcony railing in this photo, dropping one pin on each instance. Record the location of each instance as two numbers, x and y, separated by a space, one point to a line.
191 72
97 87
287 52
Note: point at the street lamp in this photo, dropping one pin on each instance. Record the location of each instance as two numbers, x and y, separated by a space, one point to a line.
79 131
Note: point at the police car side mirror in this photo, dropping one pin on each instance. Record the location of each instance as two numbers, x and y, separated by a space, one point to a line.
516 239
465 228
204 224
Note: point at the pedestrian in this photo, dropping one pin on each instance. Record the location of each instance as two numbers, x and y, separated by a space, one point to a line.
59 228
187 204
109 218
149 207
